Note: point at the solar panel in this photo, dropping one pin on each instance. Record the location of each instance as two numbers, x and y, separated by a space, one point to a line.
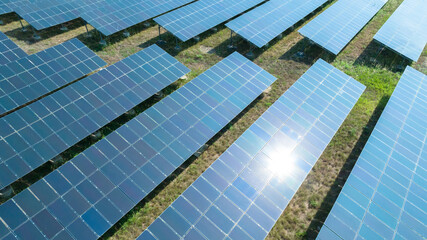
40 131
33 76
405 31
243 193
384 196
47 13
267 21
193 19
6 6
9 51
336 26
91 192
115 16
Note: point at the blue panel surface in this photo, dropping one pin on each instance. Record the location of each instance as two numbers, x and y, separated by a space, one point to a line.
7 6
336 26
40 131
48 13
384 196
9 51
405 31
33 76
108 179
243 193
113 16
267 21
196 18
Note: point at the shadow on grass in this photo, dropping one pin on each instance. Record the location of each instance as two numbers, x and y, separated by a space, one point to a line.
378 55
171 42
305 52
116 227
328 202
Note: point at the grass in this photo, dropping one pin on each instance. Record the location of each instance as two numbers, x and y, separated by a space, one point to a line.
363 59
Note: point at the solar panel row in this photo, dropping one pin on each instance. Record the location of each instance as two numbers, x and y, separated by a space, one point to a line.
243 193
385 196
114 16
47 13
40 131
267 21
88 194
9 51
33 76
196 18
405 31
336 26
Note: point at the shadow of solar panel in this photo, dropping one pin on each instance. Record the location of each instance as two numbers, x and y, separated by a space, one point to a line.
193 19
47 13
243 193
9 51
405 31
336 26
40 131
115 16
384 196
108 179
267 21
33 76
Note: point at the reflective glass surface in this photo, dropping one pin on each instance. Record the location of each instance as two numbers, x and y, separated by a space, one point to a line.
40 131
109 178
384 196
334 28
198 17
243 193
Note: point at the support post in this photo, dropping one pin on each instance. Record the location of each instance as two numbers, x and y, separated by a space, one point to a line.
160 41
231 46
88 35
22 25
177 47
102 42
63 28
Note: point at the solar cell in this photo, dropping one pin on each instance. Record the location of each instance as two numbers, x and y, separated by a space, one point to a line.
91 192
40 131
243 193
9 51
336 26
33 76
193 19
405 31
384 196
267 21
114 16
47 13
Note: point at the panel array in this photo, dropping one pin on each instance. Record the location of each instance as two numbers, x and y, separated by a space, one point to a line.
40 131
336 26
193 19
114 16
385 196
264 23
405 31
33 76
47 13
87 195
9 51
243 193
